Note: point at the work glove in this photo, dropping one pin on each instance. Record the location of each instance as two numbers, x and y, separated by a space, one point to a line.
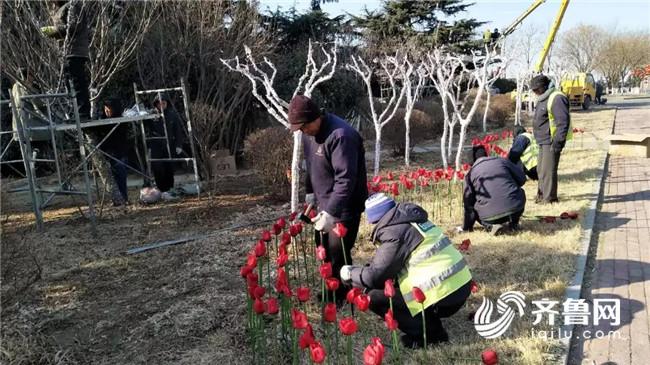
179 151
323 221
310 199
459 229
346 274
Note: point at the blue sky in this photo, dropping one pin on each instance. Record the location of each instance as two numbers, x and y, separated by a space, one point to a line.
619 14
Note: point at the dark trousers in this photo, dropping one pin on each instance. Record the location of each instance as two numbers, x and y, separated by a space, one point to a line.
120 173
471 216
163 171
334 249
412 326
75 69
547 165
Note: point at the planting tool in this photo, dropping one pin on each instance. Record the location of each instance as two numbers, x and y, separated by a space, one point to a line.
304 216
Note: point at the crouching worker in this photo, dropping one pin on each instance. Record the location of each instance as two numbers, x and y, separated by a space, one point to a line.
492 194
524 151
413 253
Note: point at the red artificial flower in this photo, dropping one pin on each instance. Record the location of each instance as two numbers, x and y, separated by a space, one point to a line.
348 326
332 283
321 254
258 306
260 248
340 230
424 182
504 134
325 270
352 294
317 352
374 353
390 176
464 246
251 290
245 270
259 292
292 216
362 301
282 259
293 230
252 260
473 287
419 295
489 357
299 319
286 238
475 141
389 288
281 222
390 321
302 293
312 214
460 175
251 278
307 338
266 236
394 189
281 282
466 166
282 249
376 179
409 185
329 312
276 229
548 219
272 306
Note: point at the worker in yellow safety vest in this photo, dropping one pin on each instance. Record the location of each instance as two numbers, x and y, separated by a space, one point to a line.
551 128
487 36
524 152
413 252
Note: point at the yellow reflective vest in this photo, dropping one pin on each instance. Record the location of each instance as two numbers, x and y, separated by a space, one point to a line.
435 266
551 117
529 156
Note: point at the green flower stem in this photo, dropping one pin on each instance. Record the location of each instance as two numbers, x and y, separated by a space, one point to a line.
424 326
345 256
349 349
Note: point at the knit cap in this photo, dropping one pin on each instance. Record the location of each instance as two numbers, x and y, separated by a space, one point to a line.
377 205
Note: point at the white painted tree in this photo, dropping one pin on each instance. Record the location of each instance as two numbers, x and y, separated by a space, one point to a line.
390 68
264 91
413 77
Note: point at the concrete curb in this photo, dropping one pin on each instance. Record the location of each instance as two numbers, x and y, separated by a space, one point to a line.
574 289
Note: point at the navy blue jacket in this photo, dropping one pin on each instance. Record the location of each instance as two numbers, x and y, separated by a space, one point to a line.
519 145
336 168
397 239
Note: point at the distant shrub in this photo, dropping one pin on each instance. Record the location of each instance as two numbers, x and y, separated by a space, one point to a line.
269 152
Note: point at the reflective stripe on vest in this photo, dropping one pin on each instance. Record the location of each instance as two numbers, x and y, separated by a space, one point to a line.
551 117
529 156
435 266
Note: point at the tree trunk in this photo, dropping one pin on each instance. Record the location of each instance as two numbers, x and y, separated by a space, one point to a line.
445 131
407 142
295 170
485 112
451 136
377 149
461 141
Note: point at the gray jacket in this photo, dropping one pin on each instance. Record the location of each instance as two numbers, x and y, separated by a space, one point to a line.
541 124
397 238
493 188
77 13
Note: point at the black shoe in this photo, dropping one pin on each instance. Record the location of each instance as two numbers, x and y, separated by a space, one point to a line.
514 227
416 342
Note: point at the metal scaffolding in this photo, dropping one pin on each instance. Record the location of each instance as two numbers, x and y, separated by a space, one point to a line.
58 122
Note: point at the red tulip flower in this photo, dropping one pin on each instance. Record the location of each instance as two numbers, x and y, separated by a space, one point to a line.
303 294
293 230
466 167
390 176
326 270
266 236
548 219
281 223
374 353
260 248
317 352
473 286
348 326
276 229
252 278
307 338
353 294
292 216
251 290
489 357
245 270
299 319
259 292
362 301
419 295
252 260
376 179
340 230
460 175
272 306
332 283
321 254
390 321
389 288
258 306
329 313
282 260
281 282
394 188
464 246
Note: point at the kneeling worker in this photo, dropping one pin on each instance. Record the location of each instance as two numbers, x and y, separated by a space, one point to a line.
414 253
492 194
524 152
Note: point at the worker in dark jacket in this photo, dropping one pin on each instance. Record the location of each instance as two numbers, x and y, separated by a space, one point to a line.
413 252
524 152
492 193
169 131
336 176
72 28
116 146
552 128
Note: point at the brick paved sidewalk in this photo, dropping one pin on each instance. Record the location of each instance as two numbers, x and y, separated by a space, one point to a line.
622 266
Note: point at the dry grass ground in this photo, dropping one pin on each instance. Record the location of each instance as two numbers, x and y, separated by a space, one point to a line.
93 304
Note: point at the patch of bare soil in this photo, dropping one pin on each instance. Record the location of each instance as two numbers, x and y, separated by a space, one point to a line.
91 303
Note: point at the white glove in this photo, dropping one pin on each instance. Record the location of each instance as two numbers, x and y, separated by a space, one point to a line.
459 229
310 199
323 221
346 273
179 150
